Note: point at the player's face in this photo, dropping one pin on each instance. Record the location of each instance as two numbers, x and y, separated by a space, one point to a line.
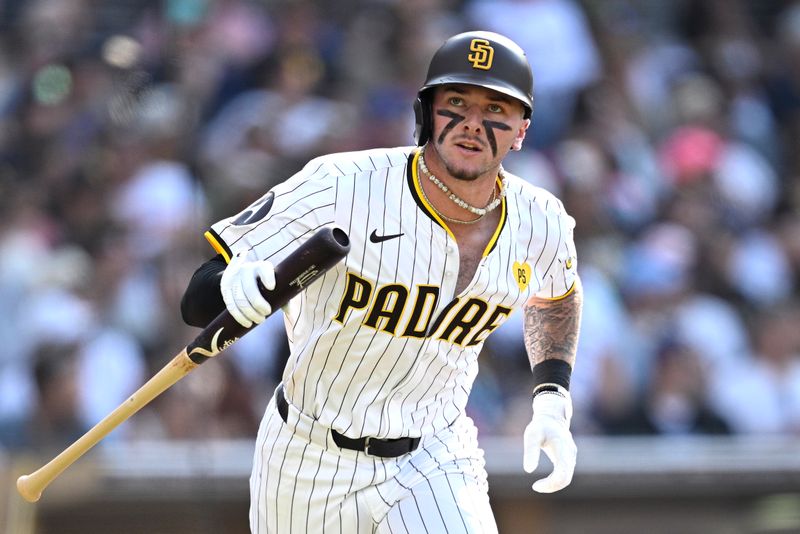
474 128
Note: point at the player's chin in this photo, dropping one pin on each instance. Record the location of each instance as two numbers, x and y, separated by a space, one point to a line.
473 168
467 173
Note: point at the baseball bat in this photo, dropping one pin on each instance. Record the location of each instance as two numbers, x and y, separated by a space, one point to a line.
297 271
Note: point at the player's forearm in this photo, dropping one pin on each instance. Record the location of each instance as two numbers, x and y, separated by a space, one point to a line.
552 327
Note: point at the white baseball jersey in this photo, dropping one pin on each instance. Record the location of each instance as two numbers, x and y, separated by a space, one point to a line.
382 345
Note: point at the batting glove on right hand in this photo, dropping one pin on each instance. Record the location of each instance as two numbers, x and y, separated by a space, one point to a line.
549 431
239 287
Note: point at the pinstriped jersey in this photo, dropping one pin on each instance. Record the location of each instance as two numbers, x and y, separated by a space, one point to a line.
381 345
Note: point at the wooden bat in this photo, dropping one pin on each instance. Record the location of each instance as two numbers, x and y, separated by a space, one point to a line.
303 266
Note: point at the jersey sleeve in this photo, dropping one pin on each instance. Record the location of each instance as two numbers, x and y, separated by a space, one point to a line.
278 222
557 265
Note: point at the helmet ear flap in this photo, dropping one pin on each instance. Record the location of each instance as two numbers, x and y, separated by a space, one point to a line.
422 117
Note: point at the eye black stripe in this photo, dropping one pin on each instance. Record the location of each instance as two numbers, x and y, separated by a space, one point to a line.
455 118
490 128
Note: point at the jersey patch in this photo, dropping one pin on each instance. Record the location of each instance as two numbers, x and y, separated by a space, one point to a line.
522 274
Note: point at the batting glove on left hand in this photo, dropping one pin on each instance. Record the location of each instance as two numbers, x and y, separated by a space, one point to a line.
549 431
239 287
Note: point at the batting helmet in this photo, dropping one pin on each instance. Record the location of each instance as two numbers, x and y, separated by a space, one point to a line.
485 59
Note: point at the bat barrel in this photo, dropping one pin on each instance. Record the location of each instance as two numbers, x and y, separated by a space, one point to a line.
306 264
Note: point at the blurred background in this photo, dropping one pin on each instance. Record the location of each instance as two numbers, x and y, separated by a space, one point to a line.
670 128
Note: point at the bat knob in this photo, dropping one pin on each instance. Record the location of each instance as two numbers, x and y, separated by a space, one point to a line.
24 488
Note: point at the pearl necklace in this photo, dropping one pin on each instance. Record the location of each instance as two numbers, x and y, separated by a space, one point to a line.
497 200
445 217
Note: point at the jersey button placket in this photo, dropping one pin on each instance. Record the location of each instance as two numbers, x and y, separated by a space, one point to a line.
452 255
451 250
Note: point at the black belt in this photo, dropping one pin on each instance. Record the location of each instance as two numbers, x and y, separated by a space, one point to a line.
384 448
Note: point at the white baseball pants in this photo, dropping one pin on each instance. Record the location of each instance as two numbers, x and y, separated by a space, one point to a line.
303 483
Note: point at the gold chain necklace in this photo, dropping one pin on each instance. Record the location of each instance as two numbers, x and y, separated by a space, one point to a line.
496 200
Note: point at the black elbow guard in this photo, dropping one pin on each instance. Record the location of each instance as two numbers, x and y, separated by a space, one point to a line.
202 301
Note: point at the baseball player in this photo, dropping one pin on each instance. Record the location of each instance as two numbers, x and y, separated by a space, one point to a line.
367 431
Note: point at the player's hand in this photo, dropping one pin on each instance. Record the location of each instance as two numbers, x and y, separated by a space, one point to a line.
239 287
549 431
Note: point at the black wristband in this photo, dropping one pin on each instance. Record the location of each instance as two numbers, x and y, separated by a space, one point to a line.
552 372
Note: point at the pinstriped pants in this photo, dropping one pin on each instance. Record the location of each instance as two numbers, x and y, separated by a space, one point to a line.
302 483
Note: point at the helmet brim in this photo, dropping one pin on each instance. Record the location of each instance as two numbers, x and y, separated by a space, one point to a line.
481 81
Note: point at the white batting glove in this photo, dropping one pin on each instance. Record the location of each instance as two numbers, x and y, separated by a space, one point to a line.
239 287
549 431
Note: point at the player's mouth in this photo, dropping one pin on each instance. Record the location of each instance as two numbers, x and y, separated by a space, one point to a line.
469 147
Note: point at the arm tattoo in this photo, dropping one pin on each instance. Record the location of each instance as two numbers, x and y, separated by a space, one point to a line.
552 327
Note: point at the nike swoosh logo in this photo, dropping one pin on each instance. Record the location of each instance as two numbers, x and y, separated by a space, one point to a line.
375 238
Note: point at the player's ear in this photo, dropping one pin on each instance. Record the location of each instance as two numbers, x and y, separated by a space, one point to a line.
520 137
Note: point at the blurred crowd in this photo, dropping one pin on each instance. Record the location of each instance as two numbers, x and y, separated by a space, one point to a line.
669 128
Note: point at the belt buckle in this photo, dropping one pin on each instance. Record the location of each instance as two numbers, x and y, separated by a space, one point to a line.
367 444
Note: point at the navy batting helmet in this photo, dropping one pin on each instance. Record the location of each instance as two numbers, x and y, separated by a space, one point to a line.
485 59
